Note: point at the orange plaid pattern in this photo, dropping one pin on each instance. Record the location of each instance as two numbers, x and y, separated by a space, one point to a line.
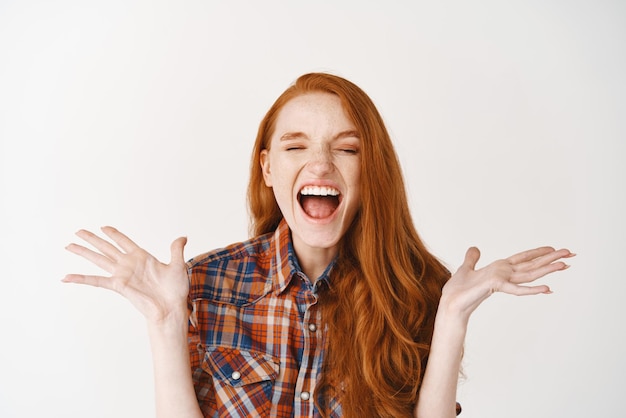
255 335
256 339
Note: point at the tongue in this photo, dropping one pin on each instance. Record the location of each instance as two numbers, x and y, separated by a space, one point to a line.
319 206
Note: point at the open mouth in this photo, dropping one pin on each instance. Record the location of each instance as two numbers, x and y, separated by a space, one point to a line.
319 202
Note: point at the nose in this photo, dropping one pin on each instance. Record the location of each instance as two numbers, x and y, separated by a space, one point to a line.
321 161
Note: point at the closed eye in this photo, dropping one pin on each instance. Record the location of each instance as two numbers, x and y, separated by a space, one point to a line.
291 145
348 150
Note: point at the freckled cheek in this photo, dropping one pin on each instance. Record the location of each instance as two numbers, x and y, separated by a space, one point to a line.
284 179
353 177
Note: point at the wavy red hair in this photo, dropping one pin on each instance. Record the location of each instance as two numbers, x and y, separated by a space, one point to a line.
386 286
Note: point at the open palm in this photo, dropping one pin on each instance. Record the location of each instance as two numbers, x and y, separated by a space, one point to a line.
469 286
154 288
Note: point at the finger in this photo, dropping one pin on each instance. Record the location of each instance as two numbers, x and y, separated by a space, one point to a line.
529 255
177 250
95 281
513 289
103 246
99 260
534 274
120 239
472 255
543 260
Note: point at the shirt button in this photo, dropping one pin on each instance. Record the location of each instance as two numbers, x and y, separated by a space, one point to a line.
236 376
305 396
312 327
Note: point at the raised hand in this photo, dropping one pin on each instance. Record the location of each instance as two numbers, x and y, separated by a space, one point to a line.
469 286
154 288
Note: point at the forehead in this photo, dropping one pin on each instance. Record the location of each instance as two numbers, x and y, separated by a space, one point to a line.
316 111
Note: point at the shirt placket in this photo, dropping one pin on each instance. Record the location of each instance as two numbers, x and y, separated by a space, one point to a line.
311 352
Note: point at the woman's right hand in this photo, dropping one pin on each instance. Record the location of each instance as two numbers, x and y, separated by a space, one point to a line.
156 289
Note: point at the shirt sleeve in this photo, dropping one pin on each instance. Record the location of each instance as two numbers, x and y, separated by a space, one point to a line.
193 339
202 381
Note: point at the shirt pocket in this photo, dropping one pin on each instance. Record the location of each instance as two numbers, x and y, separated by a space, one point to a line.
243 380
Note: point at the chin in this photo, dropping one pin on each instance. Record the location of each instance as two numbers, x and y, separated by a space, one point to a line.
322 244
314 236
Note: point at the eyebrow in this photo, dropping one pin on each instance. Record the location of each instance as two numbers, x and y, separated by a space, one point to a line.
301 135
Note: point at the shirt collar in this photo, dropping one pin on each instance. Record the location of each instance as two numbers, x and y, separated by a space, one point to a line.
286 263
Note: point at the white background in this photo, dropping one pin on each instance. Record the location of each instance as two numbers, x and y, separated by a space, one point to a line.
508 116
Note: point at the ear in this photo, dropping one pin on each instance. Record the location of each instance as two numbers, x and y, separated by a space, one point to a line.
265 167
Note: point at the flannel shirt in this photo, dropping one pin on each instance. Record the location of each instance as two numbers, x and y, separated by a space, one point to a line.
255 336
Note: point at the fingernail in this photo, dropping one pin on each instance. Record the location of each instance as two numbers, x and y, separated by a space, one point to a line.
548 292
565 267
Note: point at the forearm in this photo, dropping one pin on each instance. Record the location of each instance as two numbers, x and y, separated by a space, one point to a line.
437 397
462 294
174 391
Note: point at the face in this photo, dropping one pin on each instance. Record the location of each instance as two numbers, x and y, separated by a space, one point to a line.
313 166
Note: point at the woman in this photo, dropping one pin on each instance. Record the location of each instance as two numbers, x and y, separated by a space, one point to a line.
334 307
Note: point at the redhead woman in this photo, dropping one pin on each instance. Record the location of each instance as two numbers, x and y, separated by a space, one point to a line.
334 307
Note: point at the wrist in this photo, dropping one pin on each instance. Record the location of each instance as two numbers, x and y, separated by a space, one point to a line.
174 322
450 316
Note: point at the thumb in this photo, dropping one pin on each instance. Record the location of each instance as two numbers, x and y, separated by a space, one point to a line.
472 255
177 250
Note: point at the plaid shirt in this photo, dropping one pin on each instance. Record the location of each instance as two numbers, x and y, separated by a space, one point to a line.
255 335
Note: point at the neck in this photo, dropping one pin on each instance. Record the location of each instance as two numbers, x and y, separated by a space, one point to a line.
313 261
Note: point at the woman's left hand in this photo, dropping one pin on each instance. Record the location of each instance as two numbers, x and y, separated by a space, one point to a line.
469 287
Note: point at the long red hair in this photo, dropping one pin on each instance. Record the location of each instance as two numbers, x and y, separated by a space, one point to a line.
386 286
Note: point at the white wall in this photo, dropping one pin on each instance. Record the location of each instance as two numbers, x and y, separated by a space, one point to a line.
508 117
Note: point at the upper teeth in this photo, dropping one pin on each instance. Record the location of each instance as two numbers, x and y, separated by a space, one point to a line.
319 191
